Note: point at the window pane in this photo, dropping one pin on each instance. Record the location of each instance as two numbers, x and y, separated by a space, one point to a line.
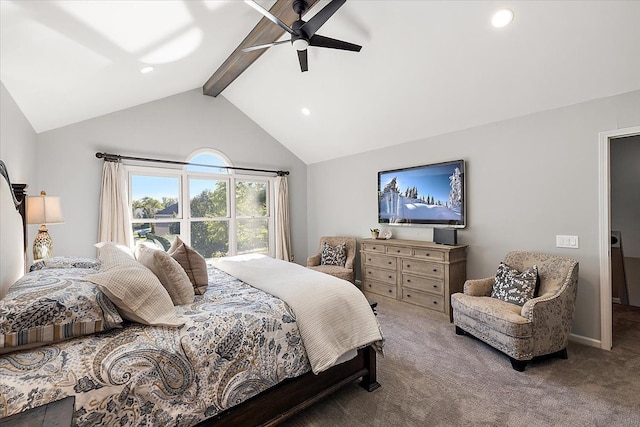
207 159
253 236
210 238
251 199
208 198
154 196
161 233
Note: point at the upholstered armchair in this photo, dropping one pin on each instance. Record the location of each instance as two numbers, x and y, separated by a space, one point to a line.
540 327
346 271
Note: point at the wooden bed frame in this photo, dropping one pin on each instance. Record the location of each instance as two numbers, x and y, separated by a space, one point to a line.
276 404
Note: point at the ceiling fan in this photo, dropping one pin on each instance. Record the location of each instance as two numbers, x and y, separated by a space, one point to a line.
303 34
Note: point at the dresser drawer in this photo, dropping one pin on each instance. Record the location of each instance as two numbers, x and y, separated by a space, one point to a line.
433 254
430 269
378 260
434 286
398 250
374 247
423 299
380 288
381 275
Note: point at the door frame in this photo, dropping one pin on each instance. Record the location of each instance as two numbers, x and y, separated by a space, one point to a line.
604 175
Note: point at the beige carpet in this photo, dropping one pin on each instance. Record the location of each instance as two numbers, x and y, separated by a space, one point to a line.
432 377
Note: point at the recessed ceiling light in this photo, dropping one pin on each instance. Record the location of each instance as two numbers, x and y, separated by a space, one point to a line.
502 18
306 111
146 70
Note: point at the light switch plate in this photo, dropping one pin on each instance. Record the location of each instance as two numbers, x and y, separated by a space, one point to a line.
563 241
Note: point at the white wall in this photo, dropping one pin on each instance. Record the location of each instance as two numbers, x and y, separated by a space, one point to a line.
170 128
17 150
625 192
528 179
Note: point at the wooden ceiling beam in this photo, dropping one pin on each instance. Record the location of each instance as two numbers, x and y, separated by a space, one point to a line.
263 33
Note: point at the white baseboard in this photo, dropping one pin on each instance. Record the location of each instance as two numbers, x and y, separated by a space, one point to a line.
585 341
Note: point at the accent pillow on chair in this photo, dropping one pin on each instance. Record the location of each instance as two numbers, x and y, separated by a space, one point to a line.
334 255
514 286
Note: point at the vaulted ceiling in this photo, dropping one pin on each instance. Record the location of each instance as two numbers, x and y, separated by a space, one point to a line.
426 67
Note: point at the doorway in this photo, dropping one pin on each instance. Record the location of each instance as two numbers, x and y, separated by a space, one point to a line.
606 309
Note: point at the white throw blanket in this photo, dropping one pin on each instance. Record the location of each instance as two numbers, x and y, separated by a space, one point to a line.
333 316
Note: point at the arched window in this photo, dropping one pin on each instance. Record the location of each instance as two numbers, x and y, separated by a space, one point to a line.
215 210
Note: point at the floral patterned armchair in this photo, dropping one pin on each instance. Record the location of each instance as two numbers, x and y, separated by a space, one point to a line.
346 271
540 327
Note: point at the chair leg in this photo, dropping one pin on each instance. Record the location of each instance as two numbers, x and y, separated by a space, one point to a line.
518 365
460 331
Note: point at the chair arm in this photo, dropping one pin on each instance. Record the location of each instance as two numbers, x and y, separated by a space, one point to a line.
547 304
479 287
312 261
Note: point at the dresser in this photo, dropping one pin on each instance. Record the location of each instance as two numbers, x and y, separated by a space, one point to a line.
424 274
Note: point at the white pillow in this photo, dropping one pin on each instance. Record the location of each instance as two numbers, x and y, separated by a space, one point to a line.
134 289
127 250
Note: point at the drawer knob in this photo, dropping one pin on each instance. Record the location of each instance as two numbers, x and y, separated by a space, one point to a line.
369 259
408 265
389 277
408 280
398 251
428 254
435 286
435 302
435 269
390 291
408 295
374 247
389 262
369 285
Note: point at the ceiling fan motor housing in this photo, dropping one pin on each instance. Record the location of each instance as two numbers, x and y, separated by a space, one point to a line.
300 6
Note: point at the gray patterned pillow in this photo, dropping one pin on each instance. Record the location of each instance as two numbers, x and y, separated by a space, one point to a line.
334 256
51 305
513 286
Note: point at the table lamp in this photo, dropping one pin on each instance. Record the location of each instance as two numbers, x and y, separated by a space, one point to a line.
43 210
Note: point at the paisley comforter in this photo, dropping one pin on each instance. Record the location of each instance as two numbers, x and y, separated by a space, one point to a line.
237 342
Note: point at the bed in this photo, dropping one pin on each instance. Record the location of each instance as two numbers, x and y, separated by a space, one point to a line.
242 357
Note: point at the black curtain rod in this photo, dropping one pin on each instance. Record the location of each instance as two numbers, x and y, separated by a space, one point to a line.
117 157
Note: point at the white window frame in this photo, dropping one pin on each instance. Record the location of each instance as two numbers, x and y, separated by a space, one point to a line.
184 207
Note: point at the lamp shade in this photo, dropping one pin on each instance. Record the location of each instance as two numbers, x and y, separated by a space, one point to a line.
44 209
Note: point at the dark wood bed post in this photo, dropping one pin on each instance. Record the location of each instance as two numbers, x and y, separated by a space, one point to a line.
369 381
19 190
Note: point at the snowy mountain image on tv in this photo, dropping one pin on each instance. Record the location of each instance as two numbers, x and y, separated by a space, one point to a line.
422 195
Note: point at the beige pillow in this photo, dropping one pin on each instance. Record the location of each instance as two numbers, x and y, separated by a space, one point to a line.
169 272
134 289
193 264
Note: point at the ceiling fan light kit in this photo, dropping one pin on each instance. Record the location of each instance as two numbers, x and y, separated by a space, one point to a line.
303 34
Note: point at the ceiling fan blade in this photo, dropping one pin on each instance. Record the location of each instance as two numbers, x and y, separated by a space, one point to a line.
269 16
302 57
318 20
322 41
264 46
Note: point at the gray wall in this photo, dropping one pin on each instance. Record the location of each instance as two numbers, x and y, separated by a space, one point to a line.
17 140
528 179
170 128
17 150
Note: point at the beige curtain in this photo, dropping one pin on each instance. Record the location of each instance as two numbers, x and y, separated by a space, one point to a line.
283 227
115 222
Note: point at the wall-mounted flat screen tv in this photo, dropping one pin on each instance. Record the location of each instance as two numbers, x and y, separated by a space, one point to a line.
427 195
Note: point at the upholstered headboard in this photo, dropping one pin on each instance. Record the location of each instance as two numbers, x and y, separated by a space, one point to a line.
13 230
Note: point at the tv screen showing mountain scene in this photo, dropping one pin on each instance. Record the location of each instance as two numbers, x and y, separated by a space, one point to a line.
429 194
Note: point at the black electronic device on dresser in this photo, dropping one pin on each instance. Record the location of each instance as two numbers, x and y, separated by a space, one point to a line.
445 236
